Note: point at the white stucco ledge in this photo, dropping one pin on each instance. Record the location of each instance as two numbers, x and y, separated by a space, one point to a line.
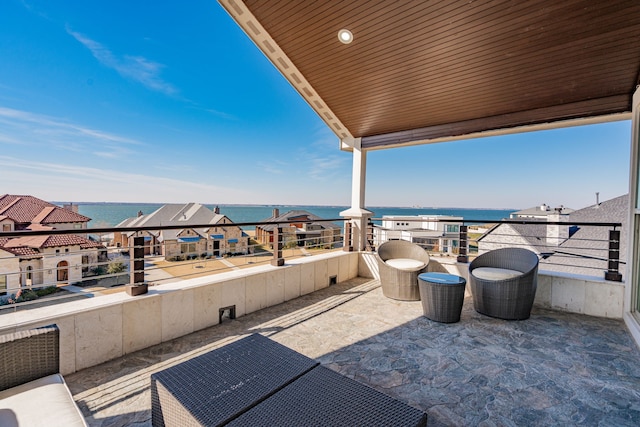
95 330
574 293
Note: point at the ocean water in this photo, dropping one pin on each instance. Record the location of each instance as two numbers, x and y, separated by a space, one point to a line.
111 214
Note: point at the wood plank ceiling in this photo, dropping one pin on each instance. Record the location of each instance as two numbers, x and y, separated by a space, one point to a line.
418 70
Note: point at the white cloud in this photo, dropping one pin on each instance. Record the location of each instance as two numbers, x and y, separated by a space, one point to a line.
81 183
50 126
323 168
25 128
272 168
137 68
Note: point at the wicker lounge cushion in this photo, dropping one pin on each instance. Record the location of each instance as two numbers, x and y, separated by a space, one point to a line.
42 402
405 263
492 273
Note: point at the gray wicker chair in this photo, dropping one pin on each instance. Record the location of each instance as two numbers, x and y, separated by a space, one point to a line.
401 283
504 297
32 391
29 355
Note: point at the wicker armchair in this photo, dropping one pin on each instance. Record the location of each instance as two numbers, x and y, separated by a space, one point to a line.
399 263
503 283
32 391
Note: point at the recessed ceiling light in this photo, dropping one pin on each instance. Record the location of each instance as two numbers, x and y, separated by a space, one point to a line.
345 36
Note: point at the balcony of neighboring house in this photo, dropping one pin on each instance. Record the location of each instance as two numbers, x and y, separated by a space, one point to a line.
548 369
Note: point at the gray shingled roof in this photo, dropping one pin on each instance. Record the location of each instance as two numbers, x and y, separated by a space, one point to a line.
291 215
176 214
536 210
586 250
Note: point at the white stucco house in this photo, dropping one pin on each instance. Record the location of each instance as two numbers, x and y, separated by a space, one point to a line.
436 233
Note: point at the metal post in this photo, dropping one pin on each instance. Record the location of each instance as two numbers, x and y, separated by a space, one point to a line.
348 237
277 260
614 257
464 243
137 285
369 239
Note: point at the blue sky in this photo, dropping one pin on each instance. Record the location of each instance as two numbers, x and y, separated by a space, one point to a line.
122 102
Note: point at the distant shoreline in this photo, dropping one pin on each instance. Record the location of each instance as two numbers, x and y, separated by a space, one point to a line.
280 206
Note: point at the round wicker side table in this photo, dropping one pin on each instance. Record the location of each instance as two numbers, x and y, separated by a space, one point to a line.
442 296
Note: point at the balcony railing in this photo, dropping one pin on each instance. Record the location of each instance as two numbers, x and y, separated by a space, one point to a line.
585 248
32 280
62 276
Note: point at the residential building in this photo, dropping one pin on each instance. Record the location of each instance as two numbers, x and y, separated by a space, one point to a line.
30 213
436 233
306 230
43 260
540 212
569 248
219 237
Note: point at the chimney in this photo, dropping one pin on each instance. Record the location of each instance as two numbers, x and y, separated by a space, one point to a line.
557 233
276 212
71 207
140 214
597 199
216 210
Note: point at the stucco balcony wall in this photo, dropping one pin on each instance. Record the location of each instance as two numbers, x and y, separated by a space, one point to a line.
96 330
572 293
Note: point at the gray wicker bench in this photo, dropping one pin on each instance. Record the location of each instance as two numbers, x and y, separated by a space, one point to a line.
32 391
256 381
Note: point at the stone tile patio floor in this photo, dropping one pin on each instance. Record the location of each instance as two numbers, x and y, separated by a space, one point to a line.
552 369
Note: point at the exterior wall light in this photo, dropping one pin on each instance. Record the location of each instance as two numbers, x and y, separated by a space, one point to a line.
345 36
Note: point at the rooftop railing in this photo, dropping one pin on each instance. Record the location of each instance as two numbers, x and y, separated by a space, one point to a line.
61 274
49 277
585 248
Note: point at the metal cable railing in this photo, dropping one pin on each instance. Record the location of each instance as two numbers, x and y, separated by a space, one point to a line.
33 277
142 257
589 248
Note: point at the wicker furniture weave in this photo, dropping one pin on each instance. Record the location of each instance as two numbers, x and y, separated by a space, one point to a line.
216 387
442 296
258 382
32 391
28 355
509 299
323 397
401 283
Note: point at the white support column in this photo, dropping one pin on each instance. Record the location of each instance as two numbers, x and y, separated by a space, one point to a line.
632 277
358 215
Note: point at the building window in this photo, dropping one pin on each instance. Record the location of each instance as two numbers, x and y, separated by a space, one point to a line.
188 248
6 227
66 250
453 228
77 226
3 284
57 251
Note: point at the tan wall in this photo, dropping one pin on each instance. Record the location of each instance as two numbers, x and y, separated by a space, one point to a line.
9 266
95 330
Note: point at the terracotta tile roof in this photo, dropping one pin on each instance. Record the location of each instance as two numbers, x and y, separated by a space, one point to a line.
90 244
27 209
30 241
19 250
24 251
40 227
41 242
